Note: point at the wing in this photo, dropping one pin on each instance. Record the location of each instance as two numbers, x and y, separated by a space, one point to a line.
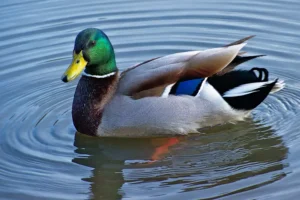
152 77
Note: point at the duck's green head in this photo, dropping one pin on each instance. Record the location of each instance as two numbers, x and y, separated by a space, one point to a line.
92 53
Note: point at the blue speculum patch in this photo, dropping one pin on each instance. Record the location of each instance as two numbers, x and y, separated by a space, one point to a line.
188 87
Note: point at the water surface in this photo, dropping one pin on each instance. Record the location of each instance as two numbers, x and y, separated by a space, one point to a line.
42 156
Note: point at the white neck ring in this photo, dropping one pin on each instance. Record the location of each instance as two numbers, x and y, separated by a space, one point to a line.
98 76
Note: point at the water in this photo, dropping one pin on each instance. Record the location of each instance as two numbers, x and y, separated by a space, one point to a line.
42 156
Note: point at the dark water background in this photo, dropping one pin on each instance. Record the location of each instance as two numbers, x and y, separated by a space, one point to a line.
42 157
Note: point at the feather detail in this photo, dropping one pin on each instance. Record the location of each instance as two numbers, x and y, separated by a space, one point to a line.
137 65
98 76
240 41
237 61
167 91
278 86
188 87
246 89
233 79
249 96
152 77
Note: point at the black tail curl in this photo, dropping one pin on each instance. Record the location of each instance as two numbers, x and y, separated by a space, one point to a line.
233 79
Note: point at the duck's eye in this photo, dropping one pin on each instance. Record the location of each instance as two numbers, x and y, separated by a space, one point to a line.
93 42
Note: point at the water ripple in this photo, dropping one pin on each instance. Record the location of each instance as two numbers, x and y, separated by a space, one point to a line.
42 157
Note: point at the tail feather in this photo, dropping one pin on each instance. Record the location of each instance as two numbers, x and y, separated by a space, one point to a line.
240 41
237 61
278 86
241 59
248 88
242 53
245 89
248 100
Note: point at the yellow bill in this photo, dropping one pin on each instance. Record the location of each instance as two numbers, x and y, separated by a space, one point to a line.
77 66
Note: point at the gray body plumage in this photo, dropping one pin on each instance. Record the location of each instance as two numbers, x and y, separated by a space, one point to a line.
158 116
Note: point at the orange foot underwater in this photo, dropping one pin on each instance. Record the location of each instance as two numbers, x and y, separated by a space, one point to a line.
164 149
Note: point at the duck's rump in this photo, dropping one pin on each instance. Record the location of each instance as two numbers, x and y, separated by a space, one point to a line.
245 89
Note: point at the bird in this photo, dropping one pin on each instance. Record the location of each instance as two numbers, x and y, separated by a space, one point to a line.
171 95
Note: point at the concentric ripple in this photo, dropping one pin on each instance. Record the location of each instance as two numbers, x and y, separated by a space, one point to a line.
42 156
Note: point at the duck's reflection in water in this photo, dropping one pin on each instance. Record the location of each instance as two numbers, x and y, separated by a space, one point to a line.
225 160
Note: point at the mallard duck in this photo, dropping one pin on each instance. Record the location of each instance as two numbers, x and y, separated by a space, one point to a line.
175 94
